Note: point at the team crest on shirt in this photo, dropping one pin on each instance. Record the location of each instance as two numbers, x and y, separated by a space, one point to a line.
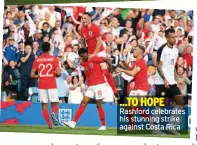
91 65
90 33
65 115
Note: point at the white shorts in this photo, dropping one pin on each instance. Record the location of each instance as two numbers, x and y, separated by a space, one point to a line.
97 92
48 95
109 94
102 54
138 93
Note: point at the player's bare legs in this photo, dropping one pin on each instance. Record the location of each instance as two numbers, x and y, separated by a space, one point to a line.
101 114
79 112
54 112
45 114
109 77
178 104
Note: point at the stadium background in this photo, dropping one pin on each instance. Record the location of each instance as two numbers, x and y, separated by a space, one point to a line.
121 15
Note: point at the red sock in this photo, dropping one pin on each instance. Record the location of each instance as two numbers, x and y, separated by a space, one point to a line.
102 115
142 110
54 108
110 80
79 113
46 116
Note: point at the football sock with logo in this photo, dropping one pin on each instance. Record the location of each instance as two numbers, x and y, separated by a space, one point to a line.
110 80
54 108
79 113
45 114
102 115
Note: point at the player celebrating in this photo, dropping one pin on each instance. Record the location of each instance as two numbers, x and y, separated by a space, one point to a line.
92 34
139 72
96 87
48 68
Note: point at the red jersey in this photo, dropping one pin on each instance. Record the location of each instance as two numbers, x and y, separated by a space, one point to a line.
189 59
90 35
140 79
46 66
93 71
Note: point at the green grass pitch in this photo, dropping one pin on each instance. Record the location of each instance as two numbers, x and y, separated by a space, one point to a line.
77 130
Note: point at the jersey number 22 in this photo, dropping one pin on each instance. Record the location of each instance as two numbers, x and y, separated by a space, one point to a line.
46 68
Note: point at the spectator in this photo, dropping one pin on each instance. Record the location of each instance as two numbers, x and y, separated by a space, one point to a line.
54 16
36 37
128 30
96 13
26 64
68 83
46 20
13 73
3 86
187 56
182 80
76 91
45 28
36 50
60 80
10 51
117 14
39 12
151 79
109 41
148 15
57 27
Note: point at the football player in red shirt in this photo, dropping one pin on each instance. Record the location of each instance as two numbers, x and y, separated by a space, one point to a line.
92 35
139 72
96 86
48 69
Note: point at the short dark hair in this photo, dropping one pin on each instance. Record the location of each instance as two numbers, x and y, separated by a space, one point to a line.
46 46
76 45
141 48
128 21
164 25
45 23
179 30
134 40
27 43
161 31
86 13
82 51
168 31
74 77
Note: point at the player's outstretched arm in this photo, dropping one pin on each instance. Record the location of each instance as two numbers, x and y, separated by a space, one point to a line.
129 72
124 65
107 60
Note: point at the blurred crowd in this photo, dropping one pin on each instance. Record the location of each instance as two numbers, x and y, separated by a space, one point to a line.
26 27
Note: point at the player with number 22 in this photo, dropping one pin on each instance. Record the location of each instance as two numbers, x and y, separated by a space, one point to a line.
48 69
